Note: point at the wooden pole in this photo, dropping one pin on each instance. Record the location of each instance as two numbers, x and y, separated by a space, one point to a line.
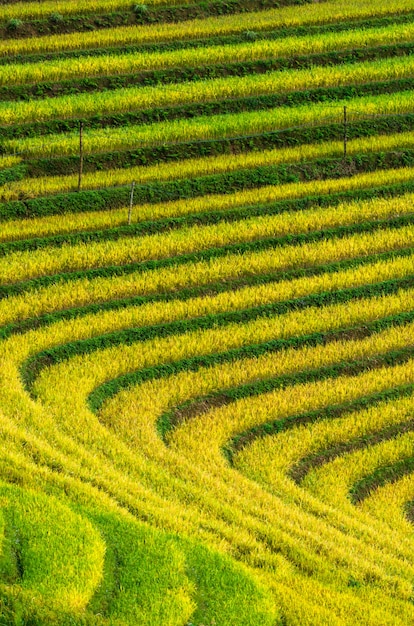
80 155
345 132
131 203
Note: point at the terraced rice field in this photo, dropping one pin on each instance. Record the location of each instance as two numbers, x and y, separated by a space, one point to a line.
207 387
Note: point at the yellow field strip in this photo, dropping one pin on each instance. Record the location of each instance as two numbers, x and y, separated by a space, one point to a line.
352 467
9 161
29 264
33 341
135 98
87 291
264 460
64 69
93 368
211 127
314 13
188 168
44 8
149 400
59 224
387 503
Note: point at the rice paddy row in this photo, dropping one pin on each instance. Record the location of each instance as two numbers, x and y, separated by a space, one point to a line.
206 400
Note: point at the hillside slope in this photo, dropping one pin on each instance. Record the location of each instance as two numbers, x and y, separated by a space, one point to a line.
206 313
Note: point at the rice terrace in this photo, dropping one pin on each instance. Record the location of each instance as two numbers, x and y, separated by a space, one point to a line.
207 313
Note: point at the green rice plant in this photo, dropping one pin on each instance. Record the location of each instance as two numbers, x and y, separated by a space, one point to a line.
24 265
189 168
145 577
28 342
87 291
165 579
64 69
210 127
14 24
134 98
327 12
227 591
355 466
39 10
56 18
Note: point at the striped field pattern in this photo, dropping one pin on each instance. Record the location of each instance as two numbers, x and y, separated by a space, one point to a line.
206 313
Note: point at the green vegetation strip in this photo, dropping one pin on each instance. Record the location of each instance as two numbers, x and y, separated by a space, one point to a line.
153 193
383 125
31 368
214 40
57 23
212 217
191 409
380 477
187 74
216 107
204 255
109 389
308 463
210 289
12 174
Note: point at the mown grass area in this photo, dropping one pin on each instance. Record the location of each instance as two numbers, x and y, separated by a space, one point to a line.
206 313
